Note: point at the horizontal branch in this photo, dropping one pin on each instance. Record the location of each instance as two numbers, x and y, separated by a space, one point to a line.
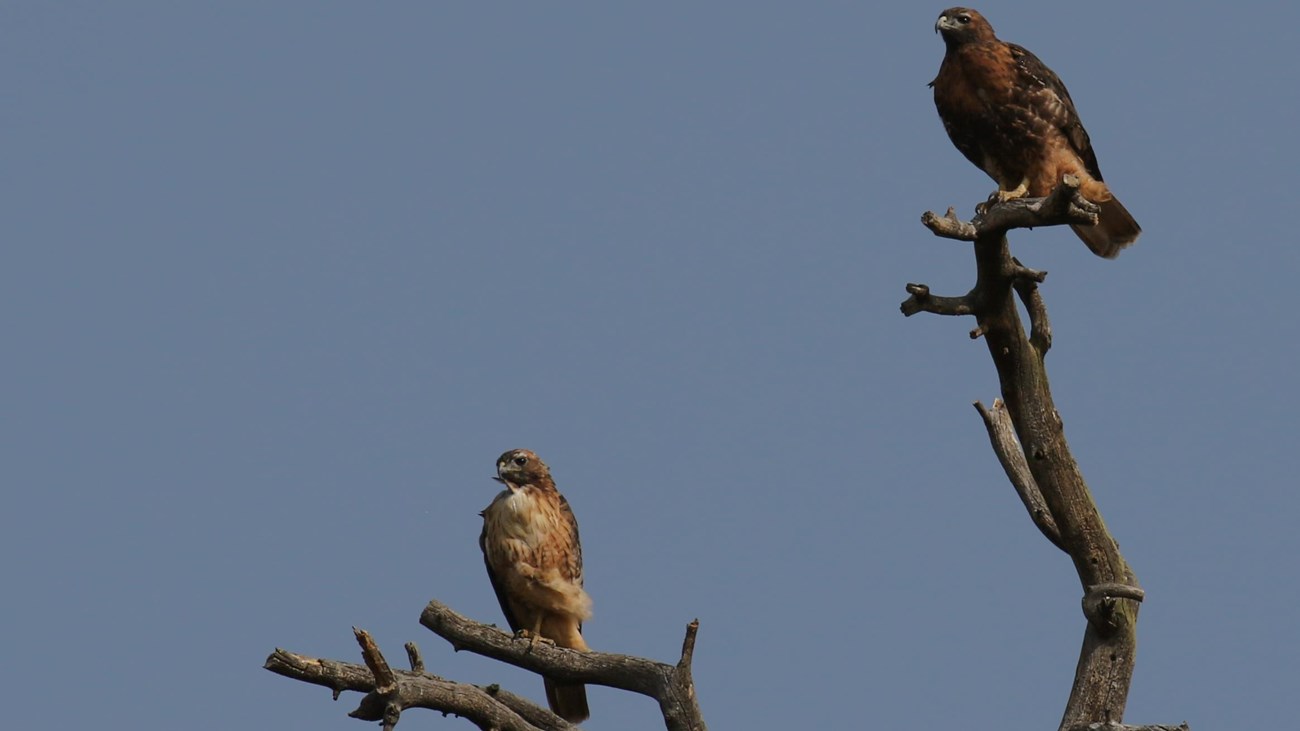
1126 727
922 301
1064 205
671 685
390 691
627 672
949 226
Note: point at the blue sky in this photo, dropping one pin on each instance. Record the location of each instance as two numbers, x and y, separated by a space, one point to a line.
281 280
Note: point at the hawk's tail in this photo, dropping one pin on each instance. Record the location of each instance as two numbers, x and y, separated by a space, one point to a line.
567 700
1115 229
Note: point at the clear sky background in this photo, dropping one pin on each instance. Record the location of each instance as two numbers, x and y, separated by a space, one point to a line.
281 280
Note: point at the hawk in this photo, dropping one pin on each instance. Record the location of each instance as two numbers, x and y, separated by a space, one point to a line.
534 560
1011 116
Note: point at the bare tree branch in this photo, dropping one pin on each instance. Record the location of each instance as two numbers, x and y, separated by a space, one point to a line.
1040 327
534 714
671 686
1027 435
413 690
1125 727
1062 205
922 301
1005 445
389 691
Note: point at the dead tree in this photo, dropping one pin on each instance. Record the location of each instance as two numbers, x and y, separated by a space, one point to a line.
389 691
1027 436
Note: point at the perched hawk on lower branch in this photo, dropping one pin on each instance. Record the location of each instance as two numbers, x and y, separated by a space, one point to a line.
1011 116
530 545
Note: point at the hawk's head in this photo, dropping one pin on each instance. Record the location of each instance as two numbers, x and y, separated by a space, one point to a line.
521 467
963 25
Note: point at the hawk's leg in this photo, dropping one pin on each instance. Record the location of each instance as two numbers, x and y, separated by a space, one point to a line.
533 635
1002 196
1009 195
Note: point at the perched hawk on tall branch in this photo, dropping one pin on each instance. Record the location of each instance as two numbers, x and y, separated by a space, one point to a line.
1011 116
530 545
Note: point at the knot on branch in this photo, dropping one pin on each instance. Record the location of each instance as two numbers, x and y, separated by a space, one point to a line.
1101 601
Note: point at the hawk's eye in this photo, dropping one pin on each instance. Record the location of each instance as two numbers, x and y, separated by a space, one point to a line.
963 19
521 461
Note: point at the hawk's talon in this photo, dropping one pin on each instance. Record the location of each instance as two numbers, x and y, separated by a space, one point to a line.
1020 191
532 638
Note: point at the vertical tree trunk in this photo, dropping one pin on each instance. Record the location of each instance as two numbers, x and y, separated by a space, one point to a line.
1028 435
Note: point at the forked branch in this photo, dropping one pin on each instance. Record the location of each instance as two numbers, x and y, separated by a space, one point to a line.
1002 434
672 686
389 691
482 706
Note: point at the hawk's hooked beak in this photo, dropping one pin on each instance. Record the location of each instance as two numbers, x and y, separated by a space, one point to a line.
941 23
498 479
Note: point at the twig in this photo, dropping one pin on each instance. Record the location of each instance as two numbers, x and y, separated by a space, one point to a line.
922 301
949 226
414 657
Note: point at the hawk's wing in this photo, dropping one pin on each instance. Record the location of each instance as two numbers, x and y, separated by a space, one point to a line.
497 586
1047 98
574 564
574 548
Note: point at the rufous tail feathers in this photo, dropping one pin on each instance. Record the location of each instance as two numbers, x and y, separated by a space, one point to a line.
567 700
1115 230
